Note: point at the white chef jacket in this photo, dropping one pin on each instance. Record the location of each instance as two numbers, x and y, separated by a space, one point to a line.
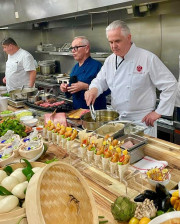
18 66
133 85
177 102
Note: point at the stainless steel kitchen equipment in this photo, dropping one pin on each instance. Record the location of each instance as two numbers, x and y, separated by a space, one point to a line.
112 129
16 104
22 94
102 117
92 111
47 67
136 151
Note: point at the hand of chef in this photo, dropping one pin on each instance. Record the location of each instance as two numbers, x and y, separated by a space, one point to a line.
4 80
76 87
150 118
90 96
63 87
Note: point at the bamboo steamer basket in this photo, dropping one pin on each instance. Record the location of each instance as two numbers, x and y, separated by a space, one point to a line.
59 194
15 216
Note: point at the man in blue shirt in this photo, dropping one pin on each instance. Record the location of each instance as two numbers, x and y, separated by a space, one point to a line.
82 74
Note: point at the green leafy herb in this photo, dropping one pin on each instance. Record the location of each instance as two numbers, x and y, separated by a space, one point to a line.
105 221
14 125
4 191
27 171
51 160
27 163
101 217
8 170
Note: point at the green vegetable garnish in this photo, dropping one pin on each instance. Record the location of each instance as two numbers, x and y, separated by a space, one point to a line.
101 217
14 125
123 209
6 112
27 171
8 170
4 191
51 160
105 221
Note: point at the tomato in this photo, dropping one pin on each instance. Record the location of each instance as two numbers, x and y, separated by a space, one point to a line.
133 220
121 159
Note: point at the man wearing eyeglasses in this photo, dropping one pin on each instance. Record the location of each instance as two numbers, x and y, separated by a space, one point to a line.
82 74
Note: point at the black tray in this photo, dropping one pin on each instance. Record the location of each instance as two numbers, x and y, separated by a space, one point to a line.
66 107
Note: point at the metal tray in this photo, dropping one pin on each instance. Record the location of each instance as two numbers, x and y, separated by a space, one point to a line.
66 107
135 139
16 104
113 132
131 128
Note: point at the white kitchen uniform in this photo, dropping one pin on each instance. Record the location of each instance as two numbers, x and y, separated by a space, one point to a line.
133 85
18 66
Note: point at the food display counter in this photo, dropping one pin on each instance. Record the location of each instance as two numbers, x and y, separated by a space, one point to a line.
105 188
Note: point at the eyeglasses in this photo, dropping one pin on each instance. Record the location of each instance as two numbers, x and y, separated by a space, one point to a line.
76 47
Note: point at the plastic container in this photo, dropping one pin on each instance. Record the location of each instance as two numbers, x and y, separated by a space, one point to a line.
3 103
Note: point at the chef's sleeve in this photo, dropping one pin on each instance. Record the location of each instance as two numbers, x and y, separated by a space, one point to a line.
164 81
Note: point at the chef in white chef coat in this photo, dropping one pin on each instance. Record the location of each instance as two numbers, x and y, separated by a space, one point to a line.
20 66
133 74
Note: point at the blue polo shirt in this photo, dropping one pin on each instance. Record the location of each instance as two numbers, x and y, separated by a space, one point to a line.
86 73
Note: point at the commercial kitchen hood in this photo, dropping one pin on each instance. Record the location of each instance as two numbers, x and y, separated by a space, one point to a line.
22 11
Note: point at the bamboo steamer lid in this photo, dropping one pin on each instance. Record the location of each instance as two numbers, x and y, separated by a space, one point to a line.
59 194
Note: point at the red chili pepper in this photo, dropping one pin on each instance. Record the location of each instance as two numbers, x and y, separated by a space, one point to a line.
121 159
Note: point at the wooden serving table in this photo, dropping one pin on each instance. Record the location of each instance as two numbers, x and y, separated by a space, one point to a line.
106 189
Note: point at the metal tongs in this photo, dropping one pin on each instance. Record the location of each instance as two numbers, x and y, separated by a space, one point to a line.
92 111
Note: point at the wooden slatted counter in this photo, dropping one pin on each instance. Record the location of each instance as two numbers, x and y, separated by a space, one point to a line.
106 189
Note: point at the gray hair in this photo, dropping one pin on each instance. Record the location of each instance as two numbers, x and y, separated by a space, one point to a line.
118 24
84 40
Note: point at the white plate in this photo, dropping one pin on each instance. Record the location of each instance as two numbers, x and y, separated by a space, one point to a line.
20 111
165 217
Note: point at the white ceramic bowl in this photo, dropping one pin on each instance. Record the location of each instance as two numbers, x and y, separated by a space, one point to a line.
26 118
31 122
154 182
162 218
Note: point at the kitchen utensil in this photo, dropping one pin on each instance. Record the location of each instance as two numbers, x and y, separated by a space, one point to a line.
31 122
59 189
3 103
47 67
102 117
92 111
20 94
114 130
3 89
33 99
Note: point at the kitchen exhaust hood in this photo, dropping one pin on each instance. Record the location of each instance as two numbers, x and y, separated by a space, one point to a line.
22 11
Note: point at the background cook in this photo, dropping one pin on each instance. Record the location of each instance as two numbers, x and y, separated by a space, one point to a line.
20 66
133 74
82 74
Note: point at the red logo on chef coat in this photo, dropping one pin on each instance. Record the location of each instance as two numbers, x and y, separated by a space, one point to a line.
139 68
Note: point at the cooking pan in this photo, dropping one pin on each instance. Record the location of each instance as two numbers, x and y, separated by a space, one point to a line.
22 94
102 117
